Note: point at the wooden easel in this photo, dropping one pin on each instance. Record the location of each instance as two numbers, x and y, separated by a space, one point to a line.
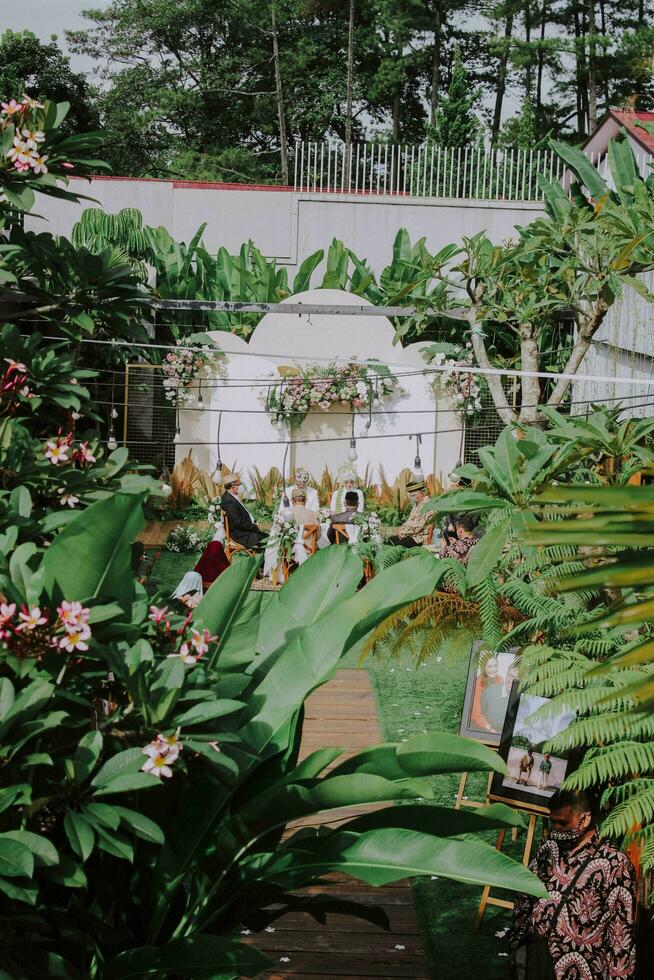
486 897
459 800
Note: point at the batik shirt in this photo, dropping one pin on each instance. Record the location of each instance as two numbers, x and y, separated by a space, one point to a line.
594 934
416 523
458 548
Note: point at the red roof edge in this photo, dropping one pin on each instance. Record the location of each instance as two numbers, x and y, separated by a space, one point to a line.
628 118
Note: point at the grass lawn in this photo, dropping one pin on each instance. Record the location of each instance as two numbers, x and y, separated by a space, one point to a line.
412 700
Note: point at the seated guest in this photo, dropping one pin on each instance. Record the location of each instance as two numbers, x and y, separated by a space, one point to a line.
415 530
242 528
213 561
345 517
302 483
299 511
461 544
347 483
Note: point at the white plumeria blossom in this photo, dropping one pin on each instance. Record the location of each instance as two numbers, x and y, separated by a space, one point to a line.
68 499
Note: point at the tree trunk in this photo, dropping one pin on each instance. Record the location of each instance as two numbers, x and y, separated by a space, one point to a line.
501 78
530 362
528 65
541 56
592 67
283 149
607 97
581 121
348 94
436 62
494 381
396 117
587 327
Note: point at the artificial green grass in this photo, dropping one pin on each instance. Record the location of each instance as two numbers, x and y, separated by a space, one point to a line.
168 570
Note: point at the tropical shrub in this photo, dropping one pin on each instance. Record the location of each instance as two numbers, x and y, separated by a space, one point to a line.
150 761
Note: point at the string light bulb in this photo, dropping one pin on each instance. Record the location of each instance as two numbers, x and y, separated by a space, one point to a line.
352 455
114 412
417 463
111 441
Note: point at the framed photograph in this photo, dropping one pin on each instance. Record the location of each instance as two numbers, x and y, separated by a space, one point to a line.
490 676
533 774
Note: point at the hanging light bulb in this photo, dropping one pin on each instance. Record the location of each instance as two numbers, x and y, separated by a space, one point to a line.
114 412
417 463
352 455
217 474
177 436
111 441
166 489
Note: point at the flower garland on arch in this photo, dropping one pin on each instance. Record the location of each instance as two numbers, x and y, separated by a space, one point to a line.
465 390
182 367
316 387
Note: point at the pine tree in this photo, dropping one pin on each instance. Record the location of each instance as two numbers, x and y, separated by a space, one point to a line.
456 123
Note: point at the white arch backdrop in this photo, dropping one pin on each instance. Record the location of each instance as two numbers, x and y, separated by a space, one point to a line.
300 340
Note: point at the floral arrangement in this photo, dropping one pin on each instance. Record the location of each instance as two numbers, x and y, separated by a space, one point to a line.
370 528
183 539
282 538
354 385
464 389
183 366
214 513
28 634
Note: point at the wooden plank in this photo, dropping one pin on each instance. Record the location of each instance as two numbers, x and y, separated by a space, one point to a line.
342 714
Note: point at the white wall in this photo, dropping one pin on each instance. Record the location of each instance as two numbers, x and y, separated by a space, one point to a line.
289 225
247 437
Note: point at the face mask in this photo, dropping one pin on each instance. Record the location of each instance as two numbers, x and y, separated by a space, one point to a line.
566 839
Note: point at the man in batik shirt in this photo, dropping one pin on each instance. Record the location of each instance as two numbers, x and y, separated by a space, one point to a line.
587 922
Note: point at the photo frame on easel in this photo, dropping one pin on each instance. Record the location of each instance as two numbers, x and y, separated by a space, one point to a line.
533 774
488 686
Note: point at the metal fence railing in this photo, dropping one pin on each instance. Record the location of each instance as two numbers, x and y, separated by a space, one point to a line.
430 171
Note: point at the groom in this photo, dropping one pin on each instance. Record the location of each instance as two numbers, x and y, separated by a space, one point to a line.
242 528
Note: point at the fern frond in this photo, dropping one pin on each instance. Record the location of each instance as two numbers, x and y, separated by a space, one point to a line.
614 762
604 728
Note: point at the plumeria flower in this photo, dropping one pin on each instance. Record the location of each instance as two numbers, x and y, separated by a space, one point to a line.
284 959
6 614
72 614
200 641
15 366
57 452
39 164
157 615
168 743
33 137
69 499
84 453
9 108
31 619
184 655
75 639
158 764
31 103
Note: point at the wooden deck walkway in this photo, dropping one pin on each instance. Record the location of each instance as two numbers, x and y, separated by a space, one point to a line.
342 713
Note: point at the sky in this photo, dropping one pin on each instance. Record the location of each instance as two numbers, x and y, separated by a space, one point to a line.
46 17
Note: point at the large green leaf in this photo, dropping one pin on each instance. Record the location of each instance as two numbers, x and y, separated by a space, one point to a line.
488 551
315 588
379 857
16 859
441 821
582 167
220 605
423 755
196 957
331 793
92 555
458 501
312 655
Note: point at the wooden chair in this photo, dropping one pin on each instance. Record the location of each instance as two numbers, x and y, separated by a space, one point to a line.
232 547
310 537
368 570
430 534
342 537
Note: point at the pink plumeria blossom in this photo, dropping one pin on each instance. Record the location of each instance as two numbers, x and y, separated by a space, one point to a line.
31 619
15 366
158 614
72 614
32 138
75 639
57 452
200 641
6 614
84 454
160 758
11 107
68 166
169 743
